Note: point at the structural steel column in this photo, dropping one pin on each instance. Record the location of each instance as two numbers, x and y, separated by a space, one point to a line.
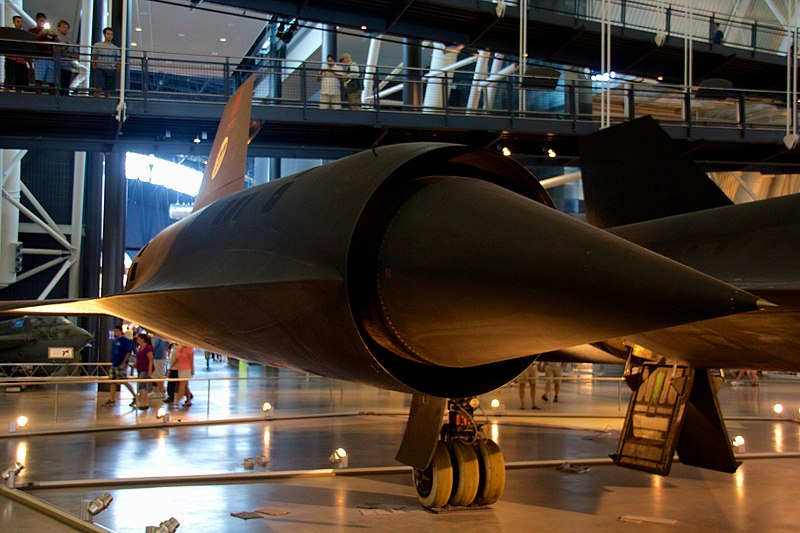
90 251
412 58
114 209
329 42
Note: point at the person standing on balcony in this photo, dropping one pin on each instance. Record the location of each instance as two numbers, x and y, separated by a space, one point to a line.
16 68
330 78
716 37
352 82
65 54
105 63
43 64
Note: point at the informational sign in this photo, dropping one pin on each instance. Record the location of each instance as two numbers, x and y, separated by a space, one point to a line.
61 353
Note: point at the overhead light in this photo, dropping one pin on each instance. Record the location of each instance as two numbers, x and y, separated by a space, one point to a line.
222 39
777 408
364 27
660 78
10 474
551 153
738 440
266 408
167 526
181 35
506 151
495 403
197 139
138 28
339 458
91 508
134 44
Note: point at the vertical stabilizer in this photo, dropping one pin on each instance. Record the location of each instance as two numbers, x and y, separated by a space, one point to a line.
227 162
635 172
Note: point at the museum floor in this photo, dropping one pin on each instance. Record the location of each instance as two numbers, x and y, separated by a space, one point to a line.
74 449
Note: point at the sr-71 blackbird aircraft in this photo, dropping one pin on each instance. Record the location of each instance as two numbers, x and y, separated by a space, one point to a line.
443 270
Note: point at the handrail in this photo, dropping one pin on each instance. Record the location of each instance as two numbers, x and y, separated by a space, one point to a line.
160 76
671 19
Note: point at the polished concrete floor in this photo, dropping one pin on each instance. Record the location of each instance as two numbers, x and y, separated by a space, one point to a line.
75 449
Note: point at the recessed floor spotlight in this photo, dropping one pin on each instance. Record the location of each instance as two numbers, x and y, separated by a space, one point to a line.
91 508
10 474
339 458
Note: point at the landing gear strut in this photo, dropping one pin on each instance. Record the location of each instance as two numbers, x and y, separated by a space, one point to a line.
466 468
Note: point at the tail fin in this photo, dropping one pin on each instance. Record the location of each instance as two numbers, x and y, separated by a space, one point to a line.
228 159
635 172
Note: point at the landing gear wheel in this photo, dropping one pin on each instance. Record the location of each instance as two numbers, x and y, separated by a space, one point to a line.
435 483
465 474
492 472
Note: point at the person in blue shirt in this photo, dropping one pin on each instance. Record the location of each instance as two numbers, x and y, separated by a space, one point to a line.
716 37
120 352
160 365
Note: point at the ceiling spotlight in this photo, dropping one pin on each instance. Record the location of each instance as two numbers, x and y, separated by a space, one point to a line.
660 78
495 403
10 474
222 39
196 139
90 508
266 408
167 526
551 153
506 151
134 44
181 35
339 458
738 440
777 408
364 27
138 28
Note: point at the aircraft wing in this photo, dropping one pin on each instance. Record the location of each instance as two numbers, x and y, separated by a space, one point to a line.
753 246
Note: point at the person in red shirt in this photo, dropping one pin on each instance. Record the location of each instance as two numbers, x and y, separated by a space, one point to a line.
43 64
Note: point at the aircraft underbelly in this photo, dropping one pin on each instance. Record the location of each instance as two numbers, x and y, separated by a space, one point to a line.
294 325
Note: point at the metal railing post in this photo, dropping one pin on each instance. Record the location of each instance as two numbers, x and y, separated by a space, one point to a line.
623 10
304 85
226 79
668 22
631 102
742 107
145 78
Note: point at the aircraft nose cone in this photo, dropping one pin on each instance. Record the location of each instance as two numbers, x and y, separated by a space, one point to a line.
470 273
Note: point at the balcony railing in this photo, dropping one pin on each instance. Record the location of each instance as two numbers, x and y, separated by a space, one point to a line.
488 88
